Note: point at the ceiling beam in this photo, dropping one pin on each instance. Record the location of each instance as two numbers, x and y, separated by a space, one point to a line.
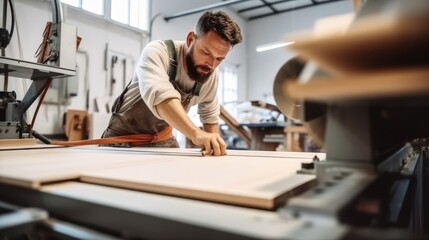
291 9
262 5
201 9
269 6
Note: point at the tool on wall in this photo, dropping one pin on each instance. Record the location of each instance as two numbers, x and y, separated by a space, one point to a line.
114 60
124 72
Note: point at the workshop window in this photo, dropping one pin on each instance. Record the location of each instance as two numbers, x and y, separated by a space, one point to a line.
94 6
134 13
228 84
131 12
74 3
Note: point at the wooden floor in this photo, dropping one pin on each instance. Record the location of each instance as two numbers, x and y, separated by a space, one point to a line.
246 178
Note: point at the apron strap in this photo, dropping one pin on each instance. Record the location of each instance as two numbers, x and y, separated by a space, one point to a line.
134 140
173 59
173 66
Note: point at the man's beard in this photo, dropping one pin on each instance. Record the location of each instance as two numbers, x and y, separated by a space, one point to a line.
192 68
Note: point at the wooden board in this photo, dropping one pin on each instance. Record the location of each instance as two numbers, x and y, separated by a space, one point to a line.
388 83
34 167
260 182
25 143
254 182
372 44
378 57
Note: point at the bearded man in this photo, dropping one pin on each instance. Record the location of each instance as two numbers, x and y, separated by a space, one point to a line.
164 88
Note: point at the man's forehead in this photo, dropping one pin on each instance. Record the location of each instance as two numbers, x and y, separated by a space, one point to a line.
214 43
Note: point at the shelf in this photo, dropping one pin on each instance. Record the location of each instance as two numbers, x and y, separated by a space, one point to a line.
31 70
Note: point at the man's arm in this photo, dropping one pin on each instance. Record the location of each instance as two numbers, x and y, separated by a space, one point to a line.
173 113
211 127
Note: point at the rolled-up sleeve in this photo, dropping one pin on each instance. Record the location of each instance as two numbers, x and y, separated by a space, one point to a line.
208 108
152 75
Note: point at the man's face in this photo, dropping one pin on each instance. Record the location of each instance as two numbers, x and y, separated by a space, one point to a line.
204 55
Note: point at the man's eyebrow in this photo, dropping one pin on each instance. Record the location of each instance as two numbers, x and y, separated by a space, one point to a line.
207 50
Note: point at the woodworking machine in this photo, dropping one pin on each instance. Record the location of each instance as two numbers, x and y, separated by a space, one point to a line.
373 183
60 61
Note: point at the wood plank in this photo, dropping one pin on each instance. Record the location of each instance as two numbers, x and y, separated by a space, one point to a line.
235 126
373 43
25 143
34 167
389 83
256 181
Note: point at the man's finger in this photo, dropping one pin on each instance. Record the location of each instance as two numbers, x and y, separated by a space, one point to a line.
204 152
216 147
207 150
222 146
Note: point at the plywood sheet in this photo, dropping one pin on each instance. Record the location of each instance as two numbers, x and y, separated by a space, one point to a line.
34 167
256 181
380 56
372 44
25 143
389 83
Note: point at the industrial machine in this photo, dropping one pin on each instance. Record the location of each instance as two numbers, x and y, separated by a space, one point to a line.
362 94
351 96
56 61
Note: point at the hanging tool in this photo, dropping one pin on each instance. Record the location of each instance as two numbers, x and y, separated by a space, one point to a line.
112 74
124 76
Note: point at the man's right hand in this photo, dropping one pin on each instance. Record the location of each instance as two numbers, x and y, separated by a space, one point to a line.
173 113
212 143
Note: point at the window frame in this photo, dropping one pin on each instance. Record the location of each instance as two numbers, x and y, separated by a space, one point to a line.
106 15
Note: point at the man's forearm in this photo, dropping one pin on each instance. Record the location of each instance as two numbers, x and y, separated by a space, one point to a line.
172 112
211 127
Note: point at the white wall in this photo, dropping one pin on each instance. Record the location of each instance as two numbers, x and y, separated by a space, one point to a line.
262 67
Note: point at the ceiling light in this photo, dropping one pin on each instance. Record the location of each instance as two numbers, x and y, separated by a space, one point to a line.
270 46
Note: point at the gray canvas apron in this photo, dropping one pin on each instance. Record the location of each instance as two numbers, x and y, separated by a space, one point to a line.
131 115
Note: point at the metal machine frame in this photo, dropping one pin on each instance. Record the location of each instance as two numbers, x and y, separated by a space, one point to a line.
61 63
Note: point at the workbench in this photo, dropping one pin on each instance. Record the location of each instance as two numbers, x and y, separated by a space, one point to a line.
266 136
128 189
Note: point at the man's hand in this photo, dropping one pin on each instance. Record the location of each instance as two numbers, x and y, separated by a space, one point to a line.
212 143
173 113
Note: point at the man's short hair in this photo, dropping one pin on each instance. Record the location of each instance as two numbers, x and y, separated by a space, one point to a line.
220 23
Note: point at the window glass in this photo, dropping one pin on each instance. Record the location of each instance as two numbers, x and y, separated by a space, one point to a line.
143 14
94 6
228 81
119 11
74 3
134 13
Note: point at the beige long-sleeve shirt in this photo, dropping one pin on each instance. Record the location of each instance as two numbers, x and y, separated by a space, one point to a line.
152 76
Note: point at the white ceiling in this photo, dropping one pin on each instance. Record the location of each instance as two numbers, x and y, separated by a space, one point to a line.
255 9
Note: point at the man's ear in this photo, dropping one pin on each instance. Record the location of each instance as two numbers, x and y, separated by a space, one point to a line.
190 38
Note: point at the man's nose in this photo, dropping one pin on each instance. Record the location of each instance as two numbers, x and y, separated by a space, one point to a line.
210 62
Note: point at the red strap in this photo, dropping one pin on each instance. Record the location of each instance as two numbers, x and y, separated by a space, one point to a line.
134 140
